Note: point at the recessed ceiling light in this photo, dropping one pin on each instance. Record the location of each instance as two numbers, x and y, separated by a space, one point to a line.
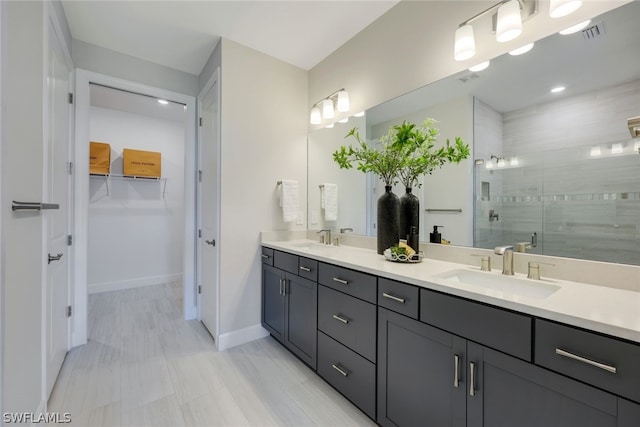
519 51
558 89
163 101
481 66
575 28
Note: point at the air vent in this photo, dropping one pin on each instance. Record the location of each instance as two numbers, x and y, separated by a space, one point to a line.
593 31
468 77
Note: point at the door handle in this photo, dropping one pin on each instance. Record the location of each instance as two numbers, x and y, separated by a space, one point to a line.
472 379
211 242
54 258
33 206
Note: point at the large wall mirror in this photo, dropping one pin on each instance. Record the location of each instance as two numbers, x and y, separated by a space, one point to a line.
559 166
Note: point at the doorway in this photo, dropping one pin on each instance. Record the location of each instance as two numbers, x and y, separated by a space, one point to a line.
88 191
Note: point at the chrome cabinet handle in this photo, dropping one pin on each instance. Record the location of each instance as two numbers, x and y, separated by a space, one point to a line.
472 379
54 258
339 369
284 287
344 282
33 206
281 286
340 319
305 269
210 242
603 366
456 370
394 298
265 256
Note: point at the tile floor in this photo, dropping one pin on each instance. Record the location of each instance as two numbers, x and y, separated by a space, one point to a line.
146 366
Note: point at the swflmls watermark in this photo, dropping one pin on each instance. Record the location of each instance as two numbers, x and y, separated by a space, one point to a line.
30 417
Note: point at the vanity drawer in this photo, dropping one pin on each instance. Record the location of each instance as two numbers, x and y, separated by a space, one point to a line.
490 326
399 297
308 268
267 256
360 285
348 320
285 261
589 357
351 374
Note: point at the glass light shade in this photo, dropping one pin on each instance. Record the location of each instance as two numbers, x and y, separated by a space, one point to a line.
514 161
616 148
509 25
481 66
521 50
465 44
316 117
489 165
327 109
343 101
560 8
501 163
595 151
575 28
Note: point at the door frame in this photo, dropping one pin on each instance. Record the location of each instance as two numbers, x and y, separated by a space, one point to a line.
215 78
81 185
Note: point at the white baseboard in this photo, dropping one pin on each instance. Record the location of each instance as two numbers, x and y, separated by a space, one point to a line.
94 288
242 336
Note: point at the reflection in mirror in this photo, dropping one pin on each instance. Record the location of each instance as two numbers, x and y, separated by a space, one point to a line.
560 165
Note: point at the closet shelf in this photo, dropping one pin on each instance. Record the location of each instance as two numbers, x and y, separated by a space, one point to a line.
109 177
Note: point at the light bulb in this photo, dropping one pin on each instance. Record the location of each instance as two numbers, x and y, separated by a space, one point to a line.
509 24
343 101
560 8
465 43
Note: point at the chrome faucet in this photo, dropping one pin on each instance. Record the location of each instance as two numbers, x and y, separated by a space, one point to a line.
325 238
507 261
344 230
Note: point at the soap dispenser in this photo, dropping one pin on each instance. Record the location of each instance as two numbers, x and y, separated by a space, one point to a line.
436 237
412 238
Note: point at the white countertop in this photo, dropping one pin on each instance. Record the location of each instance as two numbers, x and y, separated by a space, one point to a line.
602 309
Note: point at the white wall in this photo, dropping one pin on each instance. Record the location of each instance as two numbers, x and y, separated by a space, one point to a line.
352 185
105 61
135 228
264 130
412 45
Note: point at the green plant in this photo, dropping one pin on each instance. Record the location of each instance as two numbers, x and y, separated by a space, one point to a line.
406 152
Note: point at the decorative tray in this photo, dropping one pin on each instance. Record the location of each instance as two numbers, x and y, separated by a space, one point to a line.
415 258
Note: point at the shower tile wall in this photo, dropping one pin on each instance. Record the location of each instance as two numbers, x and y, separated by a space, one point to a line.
590 205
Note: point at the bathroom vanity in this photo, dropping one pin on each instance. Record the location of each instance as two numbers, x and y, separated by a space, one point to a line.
444 344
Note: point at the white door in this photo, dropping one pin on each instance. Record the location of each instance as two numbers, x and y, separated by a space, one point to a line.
208 209
57 221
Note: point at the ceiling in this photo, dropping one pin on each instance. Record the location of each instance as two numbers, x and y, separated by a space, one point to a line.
514 82
182 34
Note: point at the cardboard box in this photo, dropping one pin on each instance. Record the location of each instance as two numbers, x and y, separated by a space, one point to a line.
141 163
99 158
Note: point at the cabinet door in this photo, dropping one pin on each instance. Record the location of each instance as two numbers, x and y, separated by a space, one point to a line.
509 392
273 301
416 374
301 317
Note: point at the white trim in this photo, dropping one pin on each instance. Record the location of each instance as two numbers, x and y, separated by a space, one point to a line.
96 288
81 179
2 216
241 336
215 78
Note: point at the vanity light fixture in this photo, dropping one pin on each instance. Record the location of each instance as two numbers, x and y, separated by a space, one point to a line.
325 109
575 28
507 24
558 89
163 101
560 8
521 50
481 66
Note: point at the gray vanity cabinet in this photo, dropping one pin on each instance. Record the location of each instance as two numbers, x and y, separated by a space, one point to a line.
290 309
417 369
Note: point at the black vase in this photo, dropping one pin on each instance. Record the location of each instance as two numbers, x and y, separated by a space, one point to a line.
388 219
409 213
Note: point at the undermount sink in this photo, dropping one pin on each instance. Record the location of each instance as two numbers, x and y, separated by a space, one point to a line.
505 285
311 246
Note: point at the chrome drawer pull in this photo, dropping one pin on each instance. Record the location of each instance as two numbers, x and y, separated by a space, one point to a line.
339 369
344 282
265 256
341 319
607 368
308 270
456 370
398 299
472 379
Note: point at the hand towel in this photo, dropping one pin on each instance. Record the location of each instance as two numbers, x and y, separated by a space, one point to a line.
330 201
289 200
